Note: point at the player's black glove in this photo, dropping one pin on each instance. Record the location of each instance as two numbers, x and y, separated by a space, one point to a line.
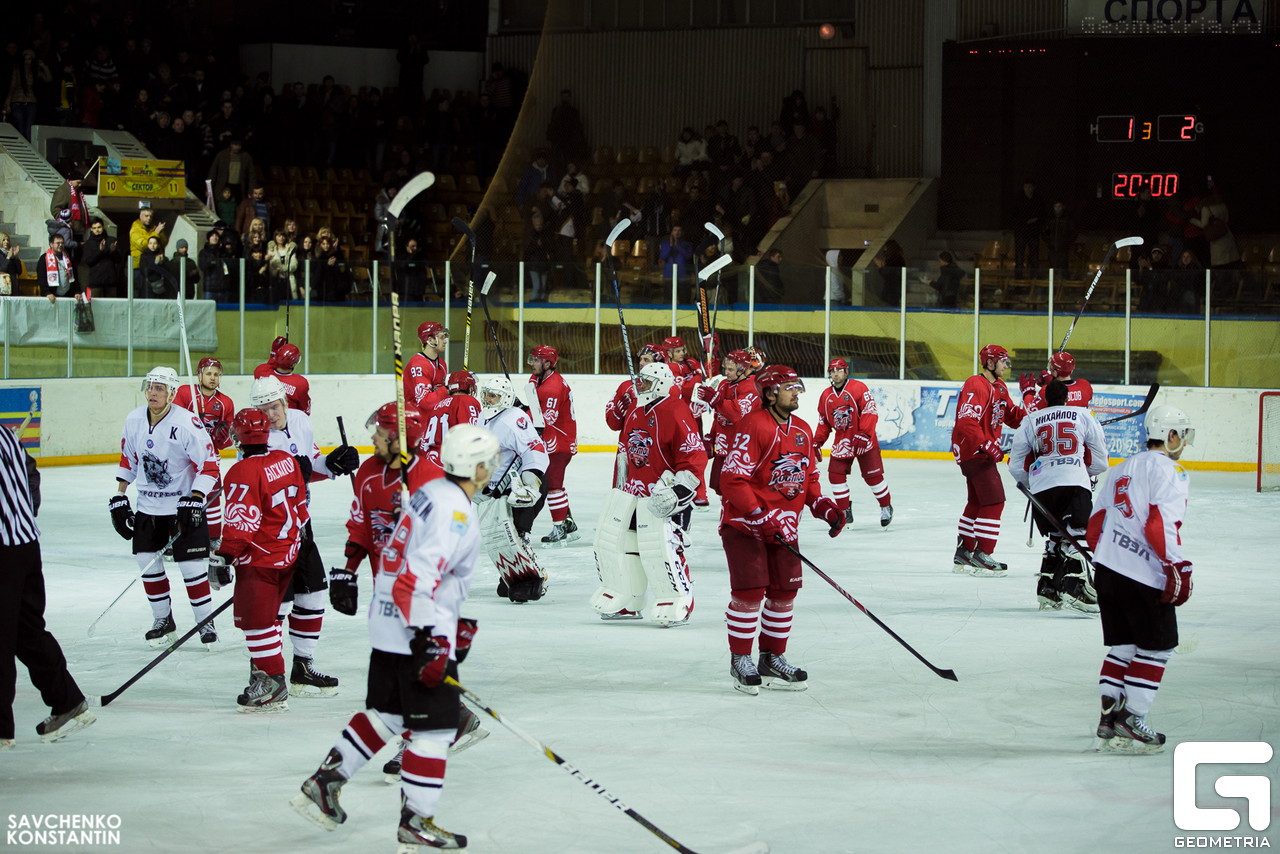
190 512
342 460
121 515
430 655
344 594
304 465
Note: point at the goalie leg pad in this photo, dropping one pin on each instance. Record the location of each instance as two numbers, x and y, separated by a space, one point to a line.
509 552
662 549
622 578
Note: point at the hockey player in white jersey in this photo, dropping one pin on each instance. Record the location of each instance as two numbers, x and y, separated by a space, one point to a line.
419 637
515 496
291 431
1055 451
168 457
1142 576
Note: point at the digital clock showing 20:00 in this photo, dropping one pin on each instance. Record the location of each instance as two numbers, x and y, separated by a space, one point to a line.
1170 128
1130 185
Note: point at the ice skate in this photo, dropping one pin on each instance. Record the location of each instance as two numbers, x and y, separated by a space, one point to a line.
1076 596
527 588
391 769
780 675
306 681
962 561
624 614
886 515
208 634
1134 736
984 565
469 731
1046 593
6 744
319 799
58 727
418 833
557 539
1106 731
264 694
745 676
162 632
848 515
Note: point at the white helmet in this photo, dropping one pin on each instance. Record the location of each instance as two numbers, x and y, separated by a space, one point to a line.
499 386
164 376
266 389
654 382
1163 418
466 446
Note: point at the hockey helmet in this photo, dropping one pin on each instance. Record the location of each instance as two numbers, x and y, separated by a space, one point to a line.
266 389
385 417
164 376
757 357
208 362
499 388
656 352
1164 418
837 365
778 376
1062 364
673 342
430 329
546 353
287 356
463 381
251 426
278 343
990 352
741 358
466 446
654 382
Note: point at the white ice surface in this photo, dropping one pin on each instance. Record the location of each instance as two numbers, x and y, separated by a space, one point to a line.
878 755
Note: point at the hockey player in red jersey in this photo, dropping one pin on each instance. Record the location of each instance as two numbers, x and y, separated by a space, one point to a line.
266 516
284 358
1061 367
729 402
168 457
215 410
640 544
982 407
624 399
560 434
419 638
847 414
1142 575
427 370
687 370
771 473
459 406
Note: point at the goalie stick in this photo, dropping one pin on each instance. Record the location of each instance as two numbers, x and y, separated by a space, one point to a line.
462 226
617 295
945 674
1141 410
1124 241
753 848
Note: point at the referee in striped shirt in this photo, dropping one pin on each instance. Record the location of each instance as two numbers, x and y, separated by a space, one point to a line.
23 636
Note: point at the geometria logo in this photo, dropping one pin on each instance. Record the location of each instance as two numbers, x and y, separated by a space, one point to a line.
1255 789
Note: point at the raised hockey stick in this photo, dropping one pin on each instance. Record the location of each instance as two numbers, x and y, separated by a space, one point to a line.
475 701
400 420
1124 241
1141 410
98 702
617 295
493 330
186 352
471 289
945 674
1057 523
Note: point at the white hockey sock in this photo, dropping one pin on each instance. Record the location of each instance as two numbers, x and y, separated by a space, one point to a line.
266 649
1142 679
156 584
1114 666
364 735
775 626
196 575
422 769
304 622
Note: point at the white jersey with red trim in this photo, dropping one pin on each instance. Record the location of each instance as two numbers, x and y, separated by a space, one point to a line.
556 400
657 438
1058 446
377 501
166 461
1137 517
423 376
298 438
517 438
426 568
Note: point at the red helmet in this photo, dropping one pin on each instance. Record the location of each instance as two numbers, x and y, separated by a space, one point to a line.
1063 364
837 365
430 329
658 352
251 426
546 353
775 376
757 358
741 358
287 356
991 351
385 417
463 381
276 344
674 342
208 362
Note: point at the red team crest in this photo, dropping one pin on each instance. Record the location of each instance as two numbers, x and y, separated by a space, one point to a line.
789 473
638 444
842 418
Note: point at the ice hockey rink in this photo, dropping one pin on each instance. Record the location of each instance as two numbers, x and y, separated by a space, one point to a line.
880 754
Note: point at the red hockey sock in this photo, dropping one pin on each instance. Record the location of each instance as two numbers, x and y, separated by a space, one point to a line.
986 526
775 627
558 501
742 617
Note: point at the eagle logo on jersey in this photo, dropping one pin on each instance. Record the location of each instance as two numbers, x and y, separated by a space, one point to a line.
788 473
842 418
381 523
156 470
997 412
638 444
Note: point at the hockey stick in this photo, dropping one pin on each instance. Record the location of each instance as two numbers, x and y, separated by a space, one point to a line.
1057 523
186 352
471 289
617 295
98 702
1124 241
475 701
945 674
208 499
1141 410
493 330
400 419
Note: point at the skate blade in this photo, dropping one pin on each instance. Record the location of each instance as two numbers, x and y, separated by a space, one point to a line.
774 683
162 642
983 572
265 709
558 544
6 744
1120 744
297 689
391 779
307 809
961 568
469 740
670 624
76 724
1082 607
750 690
1049 605
619 618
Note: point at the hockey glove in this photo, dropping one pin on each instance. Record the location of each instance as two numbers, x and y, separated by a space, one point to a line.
992 449
190 512
430 655
342 460
706 394
466 634
1044 379
121 515
344 595
527 492
828 511
1177 582
1026 384
219 572
304 465
861 443
766 527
